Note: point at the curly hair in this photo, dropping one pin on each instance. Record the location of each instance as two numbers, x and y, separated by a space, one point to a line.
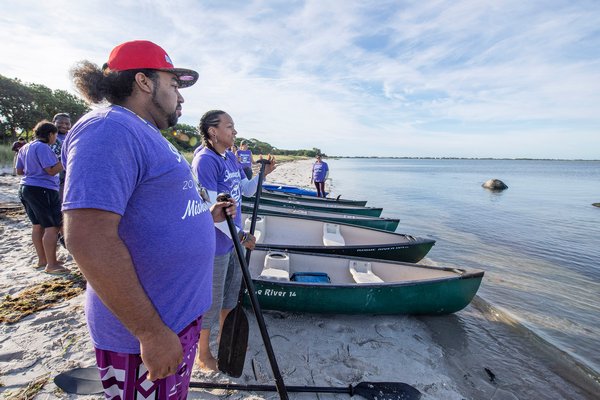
96 84
44 129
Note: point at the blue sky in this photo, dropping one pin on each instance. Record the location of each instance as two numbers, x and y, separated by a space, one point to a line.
355 78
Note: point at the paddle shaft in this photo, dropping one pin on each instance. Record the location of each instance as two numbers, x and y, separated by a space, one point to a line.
232 354
257 312
270 388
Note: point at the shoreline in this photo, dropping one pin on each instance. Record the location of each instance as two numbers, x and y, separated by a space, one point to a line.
444 357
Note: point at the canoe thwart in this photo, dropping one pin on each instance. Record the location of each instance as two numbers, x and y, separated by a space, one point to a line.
332 235
361 272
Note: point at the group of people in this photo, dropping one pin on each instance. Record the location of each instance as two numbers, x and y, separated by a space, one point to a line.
41 188
143 225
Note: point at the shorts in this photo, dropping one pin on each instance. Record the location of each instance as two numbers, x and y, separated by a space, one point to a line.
124 375
227 278
42 205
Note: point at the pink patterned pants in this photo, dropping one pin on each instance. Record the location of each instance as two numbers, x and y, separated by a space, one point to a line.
124 375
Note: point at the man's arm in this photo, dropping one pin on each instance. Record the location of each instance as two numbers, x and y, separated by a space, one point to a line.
92 238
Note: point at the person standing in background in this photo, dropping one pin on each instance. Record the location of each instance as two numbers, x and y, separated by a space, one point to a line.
245 157
320 171
63 124
39 194
16 146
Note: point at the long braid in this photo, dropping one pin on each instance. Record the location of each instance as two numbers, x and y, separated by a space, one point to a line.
210 118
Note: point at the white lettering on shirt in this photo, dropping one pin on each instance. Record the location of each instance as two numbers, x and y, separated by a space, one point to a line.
195 207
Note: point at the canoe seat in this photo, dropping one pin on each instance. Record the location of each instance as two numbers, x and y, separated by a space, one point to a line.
277 267
361 272
332 235
259 229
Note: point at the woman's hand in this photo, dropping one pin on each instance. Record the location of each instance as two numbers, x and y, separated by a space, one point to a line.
220 208
271 166
247 239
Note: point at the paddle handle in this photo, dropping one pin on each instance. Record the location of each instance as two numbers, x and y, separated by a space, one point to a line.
255 304
261 174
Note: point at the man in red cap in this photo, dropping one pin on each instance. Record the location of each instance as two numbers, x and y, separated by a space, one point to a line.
136 224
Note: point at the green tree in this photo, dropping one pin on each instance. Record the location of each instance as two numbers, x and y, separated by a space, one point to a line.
16 106
184 137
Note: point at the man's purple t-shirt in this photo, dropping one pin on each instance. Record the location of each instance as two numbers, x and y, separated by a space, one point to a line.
32 159
117 162
245 157
320 171
221 176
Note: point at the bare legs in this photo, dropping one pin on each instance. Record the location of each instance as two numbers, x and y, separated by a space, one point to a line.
320 188
205 360
44 241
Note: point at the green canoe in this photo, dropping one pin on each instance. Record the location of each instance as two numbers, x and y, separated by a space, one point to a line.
386 224
296 282
283 233
329 207
267 194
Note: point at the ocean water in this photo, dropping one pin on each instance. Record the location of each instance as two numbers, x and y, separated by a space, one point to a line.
538 241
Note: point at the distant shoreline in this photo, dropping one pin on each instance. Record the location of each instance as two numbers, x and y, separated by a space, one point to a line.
467 158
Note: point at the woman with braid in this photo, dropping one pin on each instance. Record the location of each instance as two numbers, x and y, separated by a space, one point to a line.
219 171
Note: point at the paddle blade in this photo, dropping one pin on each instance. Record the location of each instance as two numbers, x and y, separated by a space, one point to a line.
80 381
386 391
233 343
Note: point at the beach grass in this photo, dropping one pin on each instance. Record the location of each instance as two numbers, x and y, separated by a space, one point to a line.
6 154
31 390
40 296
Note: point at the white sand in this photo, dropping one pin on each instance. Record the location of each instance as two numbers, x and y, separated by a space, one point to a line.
310 349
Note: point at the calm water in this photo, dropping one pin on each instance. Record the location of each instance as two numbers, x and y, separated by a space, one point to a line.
538 241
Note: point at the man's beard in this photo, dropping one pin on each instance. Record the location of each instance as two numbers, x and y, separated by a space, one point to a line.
172 117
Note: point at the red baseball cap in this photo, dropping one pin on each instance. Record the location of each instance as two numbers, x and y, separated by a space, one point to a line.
143 54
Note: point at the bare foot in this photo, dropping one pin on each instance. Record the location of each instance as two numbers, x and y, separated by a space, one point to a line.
56 270
206 363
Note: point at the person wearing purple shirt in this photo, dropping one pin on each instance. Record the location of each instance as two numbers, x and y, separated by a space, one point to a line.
219 171
137 224
39 194
320 171
245 157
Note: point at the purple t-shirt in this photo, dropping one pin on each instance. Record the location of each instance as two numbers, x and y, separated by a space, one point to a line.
222 176
32 159
320 171
245 157
117 162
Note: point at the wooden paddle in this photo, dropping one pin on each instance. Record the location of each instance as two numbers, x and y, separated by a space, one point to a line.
233 340
255 304
87 381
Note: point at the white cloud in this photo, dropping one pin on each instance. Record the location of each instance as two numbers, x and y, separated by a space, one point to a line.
352 78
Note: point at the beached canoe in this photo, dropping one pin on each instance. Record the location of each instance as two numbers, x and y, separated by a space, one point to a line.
328 207
289 189
310 236
267 194
297 282
386 224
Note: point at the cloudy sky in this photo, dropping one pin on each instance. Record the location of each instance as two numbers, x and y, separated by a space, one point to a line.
451 78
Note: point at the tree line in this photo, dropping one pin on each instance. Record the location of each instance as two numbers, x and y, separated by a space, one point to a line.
22 105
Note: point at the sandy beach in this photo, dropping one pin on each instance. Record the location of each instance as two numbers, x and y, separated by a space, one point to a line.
439 356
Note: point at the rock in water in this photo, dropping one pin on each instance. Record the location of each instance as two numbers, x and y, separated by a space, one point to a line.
494 184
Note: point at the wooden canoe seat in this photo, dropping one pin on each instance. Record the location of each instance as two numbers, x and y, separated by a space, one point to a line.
361 272
332 235
276 267
259 229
